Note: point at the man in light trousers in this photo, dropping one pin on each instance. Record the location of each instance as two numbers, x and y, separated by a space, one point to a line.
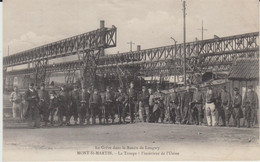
210 106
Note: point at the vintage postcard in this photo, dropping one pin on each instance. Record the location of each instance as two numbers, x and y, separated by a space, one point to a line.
130 80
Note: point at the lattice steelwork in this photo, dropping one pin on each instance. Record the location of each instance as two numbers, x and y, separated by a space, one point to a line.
100 38
213 54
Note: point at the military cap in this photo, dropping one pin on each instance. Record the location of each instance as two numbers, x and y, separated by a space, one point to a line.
236 89
250 87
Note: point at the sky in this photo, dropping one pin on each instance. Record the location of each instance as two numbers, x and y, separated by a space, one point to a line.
149 23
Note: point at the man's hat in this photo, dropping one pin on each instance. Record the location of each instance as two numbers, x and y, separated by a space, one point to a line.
32 84
120 88
42 84
250 87
143 87
236 89
197 86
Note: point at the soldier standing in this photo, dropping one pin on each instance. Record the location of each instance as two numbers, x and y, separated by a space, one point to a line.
95 103
53 107
16 100
109 104
31 96
88 110
75 107
210 106
158 109
144 104
251 106
236 104
187 100
44 103
64 105
174 110
225 104
132 98
197 100
151 104
121 100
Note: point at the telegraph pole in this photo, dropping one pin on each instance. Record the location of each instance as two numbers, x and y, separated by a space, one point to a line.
131 43
184 41
202 30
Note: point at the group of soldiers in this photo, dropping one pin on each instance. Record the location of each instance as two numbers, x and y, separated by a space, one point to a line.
146 105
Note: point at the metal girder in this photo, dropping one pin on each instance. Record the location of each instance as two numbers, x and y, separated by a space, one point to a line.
213 54
69 76
40 71
103 37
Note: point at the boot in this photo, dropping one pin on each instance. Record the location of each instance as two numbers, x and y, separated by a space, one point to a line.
248 124
227 123
238 124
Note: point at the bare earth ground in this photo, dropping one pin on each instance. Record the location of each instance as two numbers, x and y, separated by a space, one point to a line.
159 142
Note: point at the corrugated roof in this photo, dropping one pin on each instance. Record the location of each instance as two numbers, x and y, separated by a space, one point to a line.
245 69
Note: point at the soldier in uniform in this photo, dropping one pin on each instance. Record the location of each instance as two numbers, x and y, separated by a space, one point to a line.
197 108
64 105
186 101
144 104
94 104
53 107
76 105
225 104
109 104
236 104
158 109
16 100
121 100
31 96
210 107
151 104
88 110
174 107
44 103
251 106
132 99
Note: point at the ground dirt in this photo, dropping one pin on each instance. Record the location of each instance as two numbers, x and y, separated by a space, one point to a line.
139 141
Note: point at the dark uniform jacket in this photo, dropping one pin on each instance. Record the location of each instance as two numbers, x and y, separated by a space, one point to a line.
95 99
31 97
121 97
65 98
251 99
187 98
144 98
44 96
225 98
75 97
237 101
109 96
173 99
198 97
132 94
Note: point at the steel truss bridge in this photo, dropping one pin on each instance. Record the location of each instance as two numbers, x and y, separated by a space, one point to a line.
208 55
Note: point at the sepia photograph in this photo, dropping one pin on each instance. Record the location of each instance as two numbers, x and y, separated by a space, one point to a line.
130 80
